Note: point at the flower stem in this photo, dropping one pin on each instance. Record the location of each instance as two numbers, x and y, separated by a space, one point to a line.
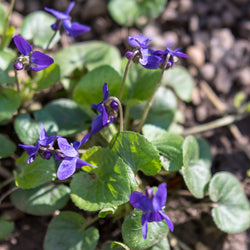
150 100
120 110
126 73
96 218
17 81
50 41
10 191
6 26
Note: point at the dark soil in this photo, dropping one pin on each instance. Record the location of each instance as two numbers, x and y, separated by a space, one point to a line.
215 35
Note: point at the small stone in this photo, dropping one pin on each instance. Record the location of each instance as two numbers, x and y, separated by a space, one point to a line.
208 71
243 76
223 80
201 38
196 55
170 37
185 6
201 113
194 23
196 99
227 19
201 8
213 22
244 29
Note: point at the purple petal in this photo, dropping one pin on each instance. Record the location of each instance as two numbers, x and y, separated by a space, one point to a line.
144 222
80 163
97 124
40 60
75 29
77 145
66 168
66 148
180 54
144 59
128 54
57 14
155 216
153 62
138 40
22 45
30 149
55 26
70 7
160 197
43 134
105 92
141 201
31 159
168 221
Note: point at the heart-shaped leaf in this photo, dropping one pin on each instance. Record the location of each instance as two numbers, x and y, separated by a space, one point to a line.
137 152
41 200
102 187
196 170
232 213
67 231
36 27
6 226
87 54
89 89
8 147
6 63
181 81
169 145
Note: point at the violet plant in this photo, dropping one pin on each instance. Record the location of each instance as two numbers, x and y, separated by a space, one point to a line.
101 162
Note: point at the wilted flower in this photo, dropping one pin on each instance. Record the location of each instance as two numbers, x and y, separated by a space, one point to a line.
63 18
32 60
70 159
141 52
170 55
151 205
42 147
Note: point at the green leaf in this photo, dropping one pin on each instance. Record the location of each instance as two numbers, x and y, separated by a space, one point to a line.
6 226
8 147
89 88
103 187
132 232
181 81
137 152
232 213
36 27
135 12
162 111
106 211
67 231
169 145
141 83
87 54
28 129
47 77
3 18
34 174
196 170
239 98
9 102
6 63
41 200
163 244
69 118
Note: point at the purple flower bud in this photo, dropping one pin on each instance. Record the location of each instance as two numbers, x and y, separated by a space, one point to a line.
47 155
114 105
18 66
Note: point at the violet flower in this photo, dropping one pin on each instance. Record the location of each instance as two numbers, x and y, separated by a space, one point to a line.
151 205
33 60
171 54
140 45
108 111
70 160
42 147
63 18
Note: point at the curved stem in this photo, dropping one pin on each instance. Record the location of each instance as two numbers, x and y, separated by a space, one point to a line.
120 110
17 81
150 100
6 26
125 74
50 40
8 193
96 218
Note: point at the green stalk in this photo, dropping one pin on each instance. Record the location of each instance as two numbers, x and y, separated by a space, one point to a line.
6 26
150 100
17 81
120 110
50 40
125 74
